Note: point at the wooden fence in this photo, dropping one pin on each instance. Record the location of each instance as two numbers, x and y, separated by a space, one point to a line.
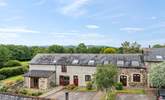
8 96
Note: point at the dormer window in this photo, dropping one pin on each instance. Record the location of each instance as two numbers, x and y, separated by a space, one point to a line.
63 68
54 62
106 62
120 63
135 63
159 57
75 61
91 62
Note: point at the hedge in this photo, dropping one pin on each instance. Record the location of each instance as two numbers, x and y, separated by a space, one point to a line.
13 71
12 63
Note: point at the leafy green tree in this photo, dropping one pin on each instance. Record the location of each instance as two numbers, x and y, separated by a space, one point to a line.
158 46
36 49
110 50
105 76
69 50
4 55
56 49
157 75
131 47
81 48
94 50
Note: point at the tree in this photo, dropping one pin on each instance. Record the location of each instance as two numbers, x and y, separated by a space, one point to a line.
157 75
35 50
94 50
105 76
131 47
56 49
110 50
81 48
158 46
4 55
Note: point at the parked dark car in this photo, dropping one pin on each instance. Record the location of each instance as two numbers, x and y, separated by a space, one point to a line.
161 94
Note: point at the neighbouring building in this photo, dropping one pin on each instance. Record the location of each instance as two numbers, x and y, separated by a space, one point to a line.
65 69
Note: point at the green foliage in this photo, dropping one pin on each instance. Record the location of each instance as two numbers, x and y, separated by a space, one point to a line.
158 46
3 88
12 63
119 86
23 91
4 55
105 76
8 72
81 48
111 95
131 47
2 77
156 75
70 87
52 84
89 85
36 49
56 49
109 50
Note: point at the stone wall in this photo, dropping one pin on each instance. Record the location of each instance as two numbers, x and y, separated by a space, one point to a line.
80 71
43 83
129 73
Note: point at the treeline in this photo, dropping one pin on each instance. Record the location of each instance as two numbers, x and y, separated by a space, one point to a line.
25 53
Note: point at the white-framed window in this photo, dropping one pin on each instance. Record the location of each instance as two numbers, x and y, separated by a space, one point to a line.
75 61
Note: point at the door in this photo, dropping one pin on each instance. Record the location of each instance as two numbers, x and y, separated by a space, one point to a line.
34 82
123 80
64 80
75 80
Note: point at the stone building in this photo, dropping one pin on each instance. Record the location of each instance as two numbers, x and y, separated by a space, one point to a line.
64 69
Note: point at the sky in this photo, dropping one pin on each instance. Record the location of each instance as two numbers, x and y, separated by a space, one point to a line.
93 22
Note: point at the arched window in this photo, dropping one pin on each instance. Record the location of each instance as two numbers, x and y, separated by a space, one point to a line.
136 77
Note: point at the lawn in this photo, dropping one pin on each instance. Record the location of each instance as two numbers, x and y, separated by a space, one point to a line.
84 89
13 78
24 63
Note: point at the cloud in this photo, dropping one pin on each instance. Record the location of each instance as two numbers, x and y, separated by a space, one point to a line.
3 3
76 8
92 26
132 29
153 17
17 30
13 18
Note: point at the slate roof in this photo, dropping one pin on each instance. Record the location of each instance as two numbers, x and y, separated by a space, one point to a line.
39 73
154 54
83 59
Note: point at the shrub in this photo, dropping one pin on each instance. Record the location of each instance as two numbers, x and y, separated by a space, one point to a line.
8 83
2 77
12 63
70 87
36 93
3 88
8 72
23 91
119 86
111 95
89 85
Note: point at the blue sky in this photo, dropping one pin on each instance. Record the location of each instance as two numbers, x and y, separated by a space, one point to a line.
93 22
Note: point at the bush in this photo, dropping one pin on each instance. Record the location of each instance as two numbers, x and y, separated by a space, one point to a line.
89 85
2 77
119 86
36 93
23 91
13 63
111 95
70 87
9 83
3 88
8 72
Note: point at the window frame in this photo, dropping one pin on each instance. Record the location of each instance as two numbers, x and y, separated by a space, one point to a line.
63 68
136 78
88 78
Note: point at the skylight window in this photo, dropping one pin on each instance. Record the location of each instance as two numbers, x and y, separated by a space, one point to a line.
120 63
91 62
159 57
54 61
75 61
106 62
135 63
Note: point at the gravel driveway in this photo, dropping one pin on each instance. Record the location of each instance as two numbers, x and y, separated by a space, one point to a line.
74 95
131 97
